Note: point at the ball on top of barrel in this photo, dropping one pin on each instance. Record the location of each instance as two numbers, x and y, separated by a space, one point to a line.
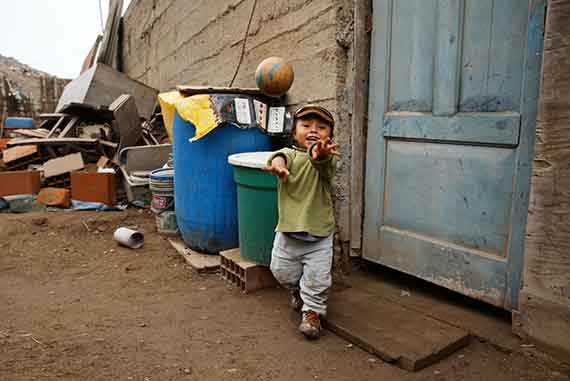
274 76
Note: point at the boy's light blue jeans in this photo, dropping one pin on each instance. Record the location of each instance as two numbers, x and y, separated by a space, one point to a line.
306 266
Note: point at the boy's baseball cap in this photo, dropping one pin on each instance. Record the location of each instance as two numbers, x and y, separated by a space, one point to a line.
315 110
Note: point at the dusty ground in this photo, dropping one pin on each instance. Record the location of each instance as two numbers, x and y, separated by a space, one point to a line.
75 306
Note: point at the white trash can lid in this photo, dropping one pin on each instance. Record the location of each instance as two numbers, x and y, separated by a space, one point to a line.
256 160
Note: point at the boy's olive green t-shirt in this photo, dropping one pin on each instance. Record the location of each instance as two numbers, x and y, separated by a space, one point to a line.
305 203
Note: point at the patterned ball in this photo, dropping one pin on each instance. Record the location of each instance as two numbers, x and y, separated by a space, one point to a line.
274 76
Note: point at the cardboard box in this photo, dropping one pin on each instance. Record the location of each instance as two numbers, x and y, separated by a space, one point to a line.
19 182
94 187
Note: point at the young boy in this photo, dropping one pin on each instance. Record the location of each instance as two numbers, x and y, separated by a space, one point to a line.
303 248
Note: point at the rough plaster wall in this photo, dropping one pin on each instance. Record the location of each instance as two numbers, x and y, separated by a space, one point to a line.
545 300
548 231
168 43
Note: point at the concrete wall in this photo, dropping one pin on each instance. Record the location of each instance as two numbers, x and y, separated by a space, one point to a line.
545 300
168 43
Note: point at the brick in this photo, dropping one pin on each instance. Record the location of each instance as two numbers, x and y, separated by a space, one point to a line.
55 197
246 275
19 182
94 187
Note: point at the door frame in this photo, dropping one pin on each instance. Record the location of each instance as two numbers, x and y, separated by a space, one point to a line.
378 89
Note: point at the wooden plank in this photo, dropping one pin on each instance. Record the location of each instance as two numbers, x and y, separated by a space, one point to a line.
193 90
378 104
61 165
396 334
50 115
68 127
90 58
56 125
523 169
438 303
108 52
15 153
32 133
53 141
201 263
447 56
362 11
479 128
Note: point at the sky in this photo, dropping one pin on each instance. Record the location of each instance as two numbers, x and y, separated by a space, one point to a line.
51 35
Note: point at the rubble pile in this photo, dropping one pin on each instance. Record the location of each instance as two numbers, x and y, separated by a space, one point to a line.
81 152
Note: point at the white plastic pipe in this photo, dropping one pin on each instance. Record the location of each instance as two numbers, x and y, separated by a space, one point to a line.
129 238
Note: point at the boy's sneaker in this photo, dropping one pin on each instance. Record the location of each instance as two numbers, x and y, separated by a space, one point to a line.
296 301
310 325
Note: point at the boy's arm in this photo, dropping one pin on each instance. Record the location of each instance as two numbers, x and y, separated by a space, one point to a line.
278 164
324 160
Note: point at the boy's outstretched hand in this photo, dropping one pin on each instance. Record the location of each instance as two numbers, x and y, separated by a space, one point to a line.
279 168
324 148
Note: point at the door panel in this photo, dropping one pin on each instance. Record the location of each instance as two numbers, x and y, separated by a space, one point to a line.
412 63
453 90
451 193
493 50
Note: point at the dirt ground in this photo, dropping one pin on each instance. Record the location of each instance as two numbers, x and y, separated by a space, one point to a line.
75 306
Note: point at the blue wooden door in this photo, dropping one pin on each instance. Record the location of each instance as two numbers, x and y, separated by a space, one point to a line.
453 97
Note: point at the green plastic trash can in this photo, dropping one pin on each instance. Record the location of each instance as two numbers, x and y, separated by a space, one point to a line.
257 205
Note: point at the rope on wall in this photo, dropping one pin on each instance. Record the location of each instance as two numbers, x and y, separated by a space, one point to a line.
244 42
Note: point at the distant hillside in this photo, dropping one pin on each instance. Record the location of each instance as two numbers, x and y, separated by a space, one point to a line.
11 66
42 88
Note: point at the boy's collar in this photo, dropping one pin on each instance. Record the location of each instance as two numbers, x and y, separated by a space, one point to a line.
297 148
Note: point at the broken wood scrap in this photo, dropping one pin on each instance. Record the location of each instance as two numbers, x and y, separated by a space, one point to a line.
11 154
90 59
68 127
57 124
37 133
61 165
53 141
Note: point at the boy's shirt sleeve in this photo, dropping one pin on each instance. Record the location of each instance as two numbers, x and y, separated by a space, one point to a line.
325 166
284 152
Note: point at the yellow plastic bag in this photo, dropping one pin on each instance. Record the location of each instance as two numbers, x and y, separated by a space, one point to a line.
198 110
167 103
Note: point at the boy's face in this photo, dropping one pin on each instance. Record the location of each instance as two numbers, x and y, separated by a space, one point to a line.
310 129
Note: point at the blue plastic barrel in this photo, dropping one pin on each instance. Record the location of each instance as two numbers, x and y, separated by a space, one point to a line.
19 122
204 189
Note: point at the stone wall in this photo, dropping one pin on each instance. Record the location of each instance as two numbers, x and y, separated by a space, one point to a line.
545 300
168 43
